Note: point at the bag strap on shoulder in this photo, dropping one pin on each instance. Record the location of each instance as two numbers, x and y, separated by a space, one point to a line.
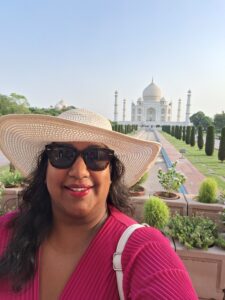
117 264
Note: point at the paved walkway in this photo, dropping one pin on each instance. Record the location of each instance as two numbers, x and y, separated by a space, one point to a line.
194 177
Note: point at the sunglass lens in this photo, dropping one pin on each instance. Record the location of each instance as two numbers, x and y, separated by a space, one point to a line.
96 159
62 157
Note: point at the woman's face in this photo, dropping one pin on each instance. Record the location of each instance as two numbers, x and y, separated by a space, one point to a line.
77 191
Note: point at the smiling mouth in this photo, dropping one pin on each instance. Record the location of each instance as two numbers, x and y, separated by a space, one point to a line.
80 189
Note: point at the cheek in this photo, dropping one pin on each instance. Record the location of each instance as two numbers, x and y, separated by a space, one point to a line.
53 177
105 180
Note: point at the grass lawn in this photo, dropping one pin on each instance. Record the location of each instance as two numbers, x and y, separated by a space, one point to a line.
209 166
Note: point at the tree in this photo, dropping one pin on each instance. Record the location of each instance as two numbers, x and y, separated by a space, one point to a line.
221 152
180 132
200 118
13 104
173 131
176 131
219 120
192 138
20 99
188 135
210 140
184 134
200 138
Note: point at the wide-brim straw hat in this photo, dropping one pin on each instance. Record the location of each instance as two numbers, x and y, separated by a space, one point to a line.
23 137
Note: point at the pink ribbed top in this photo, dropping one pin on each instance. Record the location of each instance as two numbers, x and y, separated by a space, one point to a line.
152 270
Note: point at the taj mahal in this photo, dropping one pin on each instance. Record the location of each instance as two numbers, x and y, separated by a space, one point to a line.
152 109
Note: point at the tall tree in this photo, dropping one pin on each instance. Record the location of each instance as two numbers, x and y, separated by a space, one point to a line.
176 131
200 118
210 141
11 105
219 120
184 134
188 135
192 138
200 138
221 152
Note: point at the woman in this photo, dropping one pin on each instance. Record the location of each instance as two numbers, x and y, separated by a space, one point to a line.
61 241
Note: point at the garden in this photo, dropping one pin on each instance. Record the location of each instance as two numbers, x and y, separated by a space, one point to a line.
195 224
208 165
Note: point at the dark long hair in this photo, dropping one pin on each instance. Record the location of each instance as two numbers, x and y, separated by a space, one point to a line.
33 222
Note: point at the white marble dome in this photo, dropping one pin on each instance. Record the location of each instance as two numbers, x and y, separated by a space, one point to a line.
152 92
61 104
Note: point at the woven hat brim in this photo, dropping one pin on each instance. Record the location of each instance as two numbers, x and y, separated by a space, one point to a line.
23 137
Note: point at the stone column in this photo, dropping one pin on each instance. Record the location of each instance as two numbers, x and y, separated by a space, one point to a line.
124 110
178 110
116 107
188 108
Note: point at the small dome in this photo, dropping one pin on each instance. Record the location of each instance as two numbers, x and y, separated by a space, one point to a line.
61 104
152 92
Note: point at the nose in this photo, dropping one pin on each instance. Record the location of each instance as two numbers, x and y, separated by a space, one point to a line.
78 169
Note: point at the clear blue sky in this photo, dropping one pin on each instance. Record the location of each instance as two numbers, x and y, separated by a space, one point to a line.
82 51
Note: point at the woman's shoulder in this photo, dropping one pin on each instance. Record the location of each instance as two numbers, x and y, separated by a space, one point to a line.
144 233
5 220
120 217
5 229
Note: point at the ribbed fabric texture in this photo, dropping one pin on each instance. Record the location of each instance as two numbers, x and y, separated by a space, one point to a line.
152 270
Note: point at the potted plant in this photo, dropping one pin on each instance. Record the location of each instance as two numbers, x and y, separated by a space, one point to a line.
11 182
137 189
222 216
156 212
221 198
193 232
1 193
11 179
171 181
208 191
194 240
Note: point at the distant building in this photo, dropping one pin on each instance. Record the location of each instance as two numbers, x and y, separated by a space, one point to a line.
62 104
152 109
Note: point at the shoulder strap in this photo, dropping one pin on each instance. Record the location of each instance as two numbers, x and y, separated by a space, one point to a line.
117 265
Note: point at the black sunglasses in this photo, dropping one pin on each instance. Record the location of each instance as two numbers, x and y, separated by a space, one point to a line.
63 156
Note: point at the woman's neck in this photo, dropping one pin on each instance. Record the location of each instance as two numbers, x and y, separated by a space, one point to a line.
68 237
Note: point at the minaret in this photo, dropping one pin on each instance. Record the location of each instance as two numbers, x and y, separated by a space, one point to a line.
124 110
178 110
116 107
188 112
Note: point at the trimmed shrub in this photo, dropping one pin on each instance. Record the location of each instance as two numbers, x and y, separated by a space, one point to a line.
180 132
188 135
221 152
184 134
192 139
200 138
156 212
177 132
173 131
210 140
208 191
